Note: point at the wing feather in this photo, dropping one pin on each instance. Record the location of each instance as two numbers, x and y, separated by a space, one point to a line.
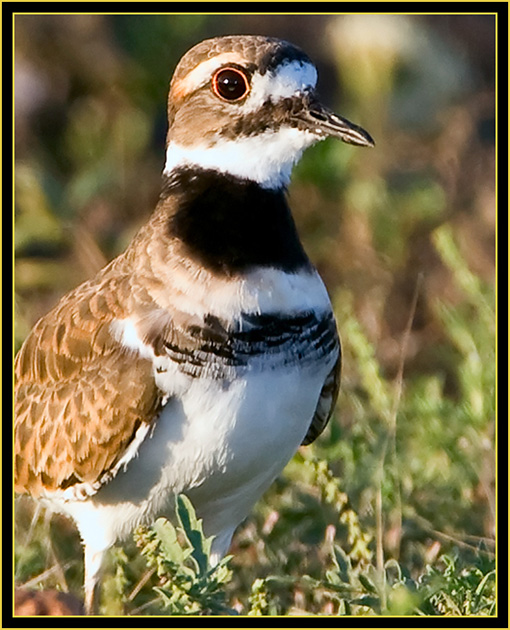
81 398
326 403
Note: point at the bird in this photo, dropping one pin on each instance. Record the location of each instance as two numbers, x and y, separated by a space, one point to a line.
203 356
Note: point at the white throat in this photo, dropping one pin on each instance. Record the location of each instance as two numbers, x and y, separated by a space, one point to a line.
266 158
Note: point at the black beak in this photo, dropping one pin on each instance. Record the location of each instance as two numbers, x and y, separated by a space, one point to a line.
324 123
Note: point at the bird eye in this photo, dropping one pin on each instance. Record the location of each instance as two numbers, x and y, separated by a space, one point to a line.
230 84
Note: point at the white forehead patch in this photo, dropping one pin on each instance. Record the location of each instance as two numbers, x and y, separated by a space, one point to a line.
289 79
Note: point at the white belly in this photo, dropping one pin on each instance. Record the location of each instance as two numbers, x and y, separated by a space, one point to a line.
220 443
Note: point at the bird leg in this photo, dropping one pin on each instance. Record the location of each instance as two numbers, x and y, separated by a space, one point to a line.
93 561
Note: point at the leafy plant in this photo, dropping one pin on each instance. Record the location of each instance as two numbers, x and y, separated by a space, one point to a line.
189 585
452 590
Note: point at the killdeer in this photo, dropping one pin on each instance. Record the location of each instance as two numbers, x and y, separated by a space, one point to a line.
201 358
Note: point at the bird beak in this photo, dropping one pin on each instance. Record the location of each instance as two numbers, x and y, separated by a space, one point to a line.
324 123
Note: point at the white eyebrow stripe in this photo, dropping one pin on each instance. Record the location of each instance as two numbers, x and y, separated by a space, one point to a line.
203 72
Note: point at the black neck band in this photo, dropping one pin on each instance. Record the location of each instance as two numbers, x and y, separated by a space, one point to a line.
229 224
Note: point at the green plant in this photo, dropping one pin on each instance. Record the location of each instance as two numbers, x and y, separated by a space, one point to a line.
189 585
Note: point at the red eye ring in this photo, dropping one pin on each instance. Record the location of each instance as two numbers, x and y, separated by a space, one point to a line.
230 84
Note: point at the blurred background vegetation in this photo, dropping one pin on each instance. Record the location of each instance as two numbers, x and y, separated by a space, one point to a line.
404 237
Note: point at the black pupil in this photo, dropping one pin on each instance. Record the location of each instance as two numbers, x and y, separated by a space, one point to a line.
231 84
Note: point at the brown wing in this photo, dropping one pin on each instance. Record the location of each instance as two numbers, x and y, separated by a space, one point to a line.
326 403
79 396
